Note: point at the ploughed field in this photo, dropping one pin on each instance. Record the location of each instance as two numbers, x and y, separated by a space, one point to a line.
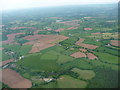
14 80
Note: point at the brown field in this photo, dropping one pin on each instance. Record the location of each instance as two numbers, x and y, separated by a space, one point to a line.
72 28
5 62
78 55
1 48
11 37
14 80
59 30
83 50
115 42
14 28
91 56
96 33
87 28
79 42
40 46
41 42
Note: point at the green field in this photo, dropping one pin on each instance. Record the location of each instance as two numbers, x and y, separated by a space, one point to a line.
84 74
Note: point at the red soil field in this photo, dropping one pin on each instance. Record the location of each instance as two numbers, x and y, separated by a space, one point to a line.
14 28
59 30
79 43
72 28
83 50
88 46
91 56
95 33
14 80
87 28
5 62
76 20
115 42
41 42
1 48
72 23
80 40
40 46
11 37
78 55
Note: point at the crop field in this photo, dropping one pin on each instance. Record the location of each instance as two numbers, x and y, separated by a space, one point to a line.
14 80
41 42
105 57
115 42
78 55
85 45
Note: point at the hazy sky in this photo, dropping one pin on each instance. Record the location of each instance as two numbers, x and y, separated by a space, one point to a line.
15 4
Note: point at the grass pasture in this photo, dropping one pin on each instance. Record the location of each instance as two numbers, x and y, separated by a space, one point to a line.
108 58
84 74
44 62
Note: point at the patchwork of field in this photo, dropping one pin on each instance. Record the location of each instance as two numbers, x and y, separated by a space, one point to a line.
81 55
79 42
11 38
78 55
49 61
41 42
71 48
14 80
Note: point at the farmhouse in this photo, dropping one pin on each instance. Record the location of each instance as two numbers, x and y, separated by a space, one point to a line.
47 79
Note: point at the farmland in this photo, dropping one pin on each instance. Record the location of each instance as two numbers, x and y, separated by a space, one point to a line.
62 47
